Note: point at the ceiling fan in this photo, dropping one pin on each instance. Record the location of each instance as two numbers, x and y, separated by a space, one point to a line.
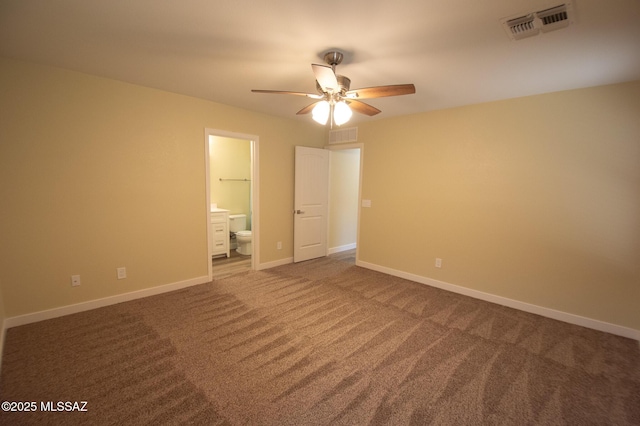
335 100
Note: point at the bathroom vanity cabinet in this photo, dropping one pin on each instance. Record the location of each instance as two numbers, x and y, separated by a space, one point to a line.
219 232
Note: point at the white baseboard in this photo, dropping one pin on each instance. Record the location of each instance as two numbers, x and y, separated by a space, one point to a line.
523 306
345 247
526 307
112 300
275 263
99 303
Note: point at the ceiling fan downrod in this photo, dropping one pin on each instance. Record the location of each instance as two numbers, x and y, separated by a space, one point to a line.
333 58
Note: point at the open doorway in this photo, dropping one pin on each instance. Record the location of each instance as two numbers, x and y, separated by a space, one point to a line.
232 202
344 195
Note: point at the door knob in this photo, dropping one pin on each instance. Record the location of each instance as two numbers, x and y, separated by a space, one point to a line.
298 212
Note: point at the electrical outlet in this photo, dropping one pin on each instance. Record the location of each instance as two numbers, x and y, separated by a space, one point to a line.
438 262
122 273
279 245
75 280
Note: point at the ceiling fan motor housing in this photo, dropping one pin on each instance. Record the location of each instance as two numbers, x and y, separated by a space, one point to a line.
333 58
343 82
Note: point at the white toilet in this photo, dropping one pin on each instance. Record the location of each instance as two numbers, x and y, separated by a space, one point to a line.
238 225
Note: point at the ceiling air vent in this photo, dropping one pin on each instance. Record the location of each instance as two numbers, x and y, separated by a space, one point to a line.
349 134
521 27
550 19
554 18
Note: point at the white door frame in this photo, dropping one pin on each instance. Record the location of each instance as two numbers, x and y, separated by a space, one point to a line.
359 146
255 196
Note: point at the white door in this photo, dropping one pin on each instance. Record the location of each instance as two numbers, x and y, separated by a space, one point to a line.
311 203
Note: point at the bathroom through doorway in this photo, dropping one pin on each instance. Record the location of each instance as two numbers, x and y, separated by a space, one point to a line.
230 181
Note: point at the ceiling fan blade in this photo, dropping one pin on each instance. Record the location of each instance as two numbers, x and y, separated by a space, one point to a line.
307 109
284 92
326 78
381 91
363 108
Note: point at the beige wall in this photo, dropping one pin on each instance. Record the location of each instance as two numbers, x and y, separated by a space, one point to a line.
535 199
343 202
231 159
97 174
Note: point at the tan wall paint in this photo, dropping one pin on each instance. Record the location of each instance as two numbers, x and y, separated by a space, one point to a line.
536 199
343 201
96 174
231 159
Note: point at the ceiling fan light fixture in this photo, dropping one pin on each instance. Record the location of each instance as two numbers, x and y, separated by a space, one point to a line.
320 112
342 113
336 101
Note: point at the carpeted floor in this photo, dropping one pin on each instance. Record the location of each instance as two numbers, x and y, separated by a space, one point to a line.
322 342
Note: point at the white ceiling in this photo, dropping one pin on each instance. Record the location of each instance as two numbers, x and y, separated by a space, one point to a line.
454 51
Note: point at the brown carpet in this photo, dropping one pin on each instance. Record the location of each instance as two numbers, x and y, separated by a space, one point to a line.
318 343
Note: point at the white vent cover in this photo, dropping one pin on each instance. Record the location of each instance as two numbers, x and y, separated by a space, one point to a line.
349 134
554 18
533 23
521 27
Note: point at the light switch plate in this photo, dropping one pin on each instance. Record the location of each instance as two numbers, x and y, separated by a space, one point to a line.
122 273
